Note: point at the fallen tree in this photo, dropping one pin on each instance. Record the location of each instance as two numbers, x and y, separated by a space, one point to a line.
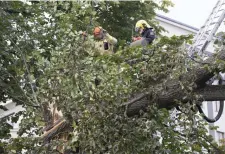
166 93
47 68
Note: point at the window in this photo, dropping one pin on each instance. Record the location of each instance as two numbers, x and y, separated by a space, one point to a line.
220 137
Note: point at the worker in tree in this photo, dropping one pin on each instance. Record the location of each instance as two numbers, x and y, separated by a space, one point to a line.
105 43
146 32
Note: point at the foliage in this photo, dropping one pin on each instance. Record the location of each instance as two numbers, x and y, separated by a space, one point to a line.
44 60
120 18
220 39
222 143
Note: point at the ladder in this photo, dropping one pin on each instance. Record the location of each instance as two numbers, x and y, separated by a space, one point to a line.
208 30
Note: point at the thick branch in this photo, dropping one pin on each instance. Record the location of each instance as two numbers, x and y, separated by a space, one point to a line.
172 90
200 74
212 92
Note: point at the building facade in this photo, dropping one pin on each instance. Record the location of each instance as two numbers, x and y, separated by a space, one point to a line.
12 109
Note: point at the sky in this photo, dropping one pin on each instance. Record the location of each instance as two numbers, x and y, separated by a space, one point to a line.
191 12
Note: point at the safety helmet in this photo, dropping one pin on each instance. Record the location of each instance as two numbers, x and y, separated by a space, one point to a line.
97 30
141 24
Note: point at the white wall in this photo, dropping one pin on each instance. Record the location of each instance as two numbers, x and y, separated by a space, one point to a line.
12 108
174 28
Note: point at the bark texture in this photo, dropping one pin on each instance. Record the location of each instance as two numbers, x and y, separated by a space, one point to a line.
165 94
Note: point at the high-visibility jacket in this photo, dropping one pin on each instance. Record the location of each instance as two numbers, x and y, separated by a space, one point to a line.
106 45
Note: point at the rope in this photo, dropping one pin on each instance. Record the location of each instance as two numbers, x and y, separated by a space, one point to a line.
91 17
90 23
27 70
26 67
200 62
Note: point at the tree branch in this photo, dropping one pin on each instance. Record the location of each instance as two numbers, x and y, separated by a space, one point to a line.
167 93
212 92
139 97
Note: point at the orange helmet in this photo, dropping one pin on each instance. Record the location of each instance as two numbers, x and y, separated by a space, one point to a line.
97 31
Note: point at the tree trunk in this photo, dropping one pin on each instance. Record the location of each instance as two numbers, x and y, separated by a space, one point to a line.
166 93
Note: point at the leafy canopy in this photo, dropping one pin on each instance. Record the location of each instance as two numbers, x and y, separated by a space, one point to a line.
44 60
